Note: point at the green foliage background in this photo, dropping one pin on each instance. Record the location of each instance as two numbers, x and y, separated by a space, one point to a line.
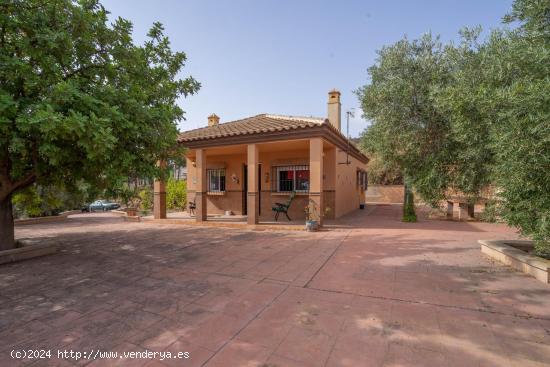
462 117
36 201
80 101
146 197
176 194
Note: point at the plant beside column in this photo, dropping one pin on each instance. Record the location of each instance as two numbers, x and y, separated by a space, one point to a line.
312 216
409 214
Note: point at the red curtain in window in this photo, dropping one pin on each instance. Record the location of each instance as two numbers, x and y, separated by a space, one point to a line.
302 175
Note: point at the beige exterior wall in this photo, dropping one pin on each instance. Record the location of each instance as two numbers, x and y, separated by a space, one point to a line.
340 192
329 182
232 199
269 159
348 193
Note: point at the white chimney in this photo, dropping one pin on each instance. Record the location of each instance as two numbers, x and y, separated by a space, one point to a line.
334 108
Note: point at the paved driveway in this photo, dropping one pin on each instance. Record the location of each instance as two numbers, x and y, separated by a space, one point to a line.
377 293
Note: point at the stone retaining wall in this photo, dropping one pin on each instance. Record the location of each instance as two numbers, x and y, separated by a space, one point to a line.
385 194
54 218
505 252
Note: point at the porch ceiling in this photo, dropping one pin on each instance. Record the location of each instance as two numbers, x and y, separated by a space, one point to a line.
325 131
277 146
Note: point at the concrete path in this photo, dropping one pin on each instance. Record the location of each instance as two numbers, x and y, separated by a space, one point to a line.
376 292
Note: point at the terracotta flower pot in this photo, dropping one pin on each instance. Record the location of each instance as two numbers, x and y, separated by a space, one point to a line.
131 212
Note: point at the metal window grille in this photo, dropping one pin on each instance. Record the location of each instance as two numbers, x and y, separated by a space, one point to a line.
362 179
216 179
291 178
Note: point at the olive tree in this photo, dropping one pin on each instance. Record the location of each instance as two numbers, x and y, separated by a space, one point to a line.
467 116
408 131
518 74
499 107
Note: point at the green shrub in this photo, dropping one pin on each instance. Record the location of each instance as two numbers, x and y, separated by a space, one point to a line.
491 213
409 214
176 194
409 218
27 203
146 197
38 201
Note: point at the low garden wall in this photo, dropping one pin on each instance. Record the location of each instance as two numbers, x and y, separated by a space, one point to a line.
54 218
385 194
28 249
516 254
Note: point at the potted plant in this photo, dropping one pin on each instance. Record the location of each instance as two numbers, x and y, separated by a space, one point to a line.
312 216
132 200
132 205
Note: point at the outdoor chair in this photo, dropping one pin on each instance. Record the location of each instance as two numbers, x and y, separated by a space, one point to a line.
279 208
192 207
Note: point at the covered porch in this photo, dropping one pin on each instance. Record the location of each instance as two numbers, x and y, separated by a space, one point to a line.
354 219
229 221
240 183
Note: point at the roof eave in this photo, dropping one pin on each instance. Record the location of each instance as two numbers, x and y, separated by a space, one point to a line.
325 131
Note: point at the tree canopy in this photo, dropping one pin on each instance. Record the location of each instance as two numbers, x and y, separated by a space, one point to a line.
468 115
409 132
79 100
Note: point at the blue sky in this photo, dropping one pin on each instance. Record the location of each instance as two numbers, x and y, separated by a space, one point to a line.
283 56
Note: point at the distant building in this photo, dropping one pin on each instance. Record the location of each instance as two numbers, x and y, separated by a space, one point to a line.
179 173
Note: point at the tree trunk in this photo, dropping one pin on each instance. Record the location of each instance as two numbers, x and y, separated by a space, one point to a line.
409 214
7 239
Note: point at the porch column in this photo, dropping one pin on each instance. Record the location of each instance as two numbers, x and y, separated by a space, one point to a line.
201 189
253 199
159 196
316 176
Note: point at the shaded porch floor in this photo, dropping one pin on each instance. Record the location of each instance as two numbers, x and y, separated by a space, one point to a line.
347 221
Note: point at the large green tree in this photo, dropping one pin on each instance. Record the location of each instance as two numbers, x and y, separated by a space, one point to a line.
408 131
520 62
517 76
480 116
499 107
79 100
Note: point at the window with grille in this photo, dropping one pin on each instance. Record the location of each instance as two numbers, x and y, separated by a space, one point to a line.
216 180
362 179
291 178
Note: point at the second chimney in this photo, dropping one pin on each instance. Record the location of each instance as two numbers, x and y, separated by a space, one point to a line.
213 120
334 108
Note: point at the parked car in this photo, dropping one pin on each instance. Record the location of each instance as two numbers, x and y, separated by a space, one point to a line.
102 205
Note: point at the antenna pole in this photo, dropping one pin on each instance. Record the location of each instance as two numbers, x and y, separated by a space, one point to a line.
348 114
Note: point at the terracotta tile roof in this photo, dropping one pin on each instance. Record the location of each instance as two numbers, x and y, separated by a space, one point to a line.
251 125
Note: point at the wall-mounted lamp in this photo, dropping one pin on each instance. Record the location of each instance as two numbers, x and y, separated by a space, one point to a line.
267 177
235 178
194 164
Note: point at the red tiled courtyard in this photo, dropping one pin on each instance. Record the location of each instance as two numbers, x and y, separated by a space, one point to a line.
376 292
